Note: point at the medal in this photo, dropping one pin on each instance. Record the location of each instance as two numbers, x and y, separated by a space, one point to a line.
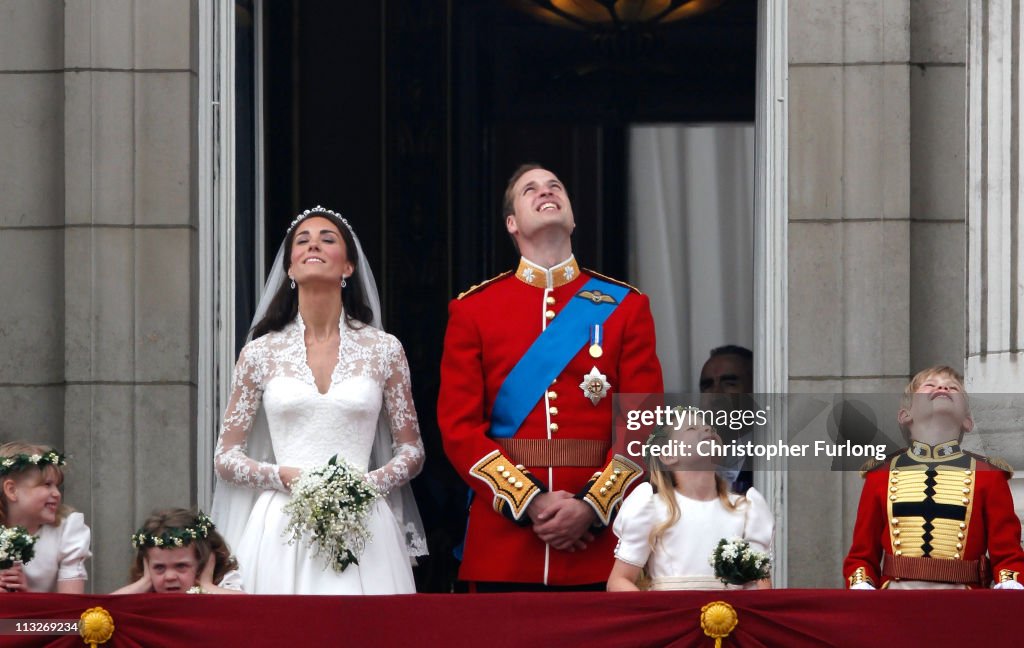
596 335
595 386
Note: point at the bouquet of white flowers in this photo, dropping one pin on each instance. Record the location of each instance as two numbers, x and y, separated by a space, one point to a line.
736 563
328 508
16 545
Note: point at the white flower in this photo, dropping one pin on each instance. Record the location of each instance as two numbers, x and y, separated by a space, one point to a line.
35 458
528 274
569 271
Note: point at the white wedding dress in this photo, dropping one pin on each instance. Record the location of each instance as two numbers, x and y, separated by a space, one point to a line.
306 429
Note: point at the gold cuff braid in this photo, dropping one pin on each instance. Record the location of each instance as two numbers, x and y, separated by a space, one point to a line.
610 485
1008 576
859 575
508 482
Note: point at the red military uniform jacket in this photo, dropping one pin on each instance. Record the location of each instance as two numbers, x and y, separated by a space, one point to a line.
490 328
951 508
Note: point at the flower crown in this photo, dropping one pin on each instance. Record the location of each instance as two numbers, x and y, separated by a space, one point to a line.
175 536
318 210
18 462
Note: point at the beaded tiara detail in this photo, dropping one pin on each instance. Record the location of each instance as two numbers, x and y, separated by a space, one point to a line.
318 210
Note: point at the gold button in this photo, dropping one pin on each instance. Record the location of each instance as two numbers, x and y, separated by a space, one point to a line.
956 555
608 484
553 411
506 474
617 471
894 479
553 427
965 501
501 468
959 546
892 498
896 472
893 489
963 526
896 532
967 481
603 491
959 536
967 472
613 477
550 300
897 542
966 491
550 314
895 520
899 552
519 485
552 395
520 467
511 480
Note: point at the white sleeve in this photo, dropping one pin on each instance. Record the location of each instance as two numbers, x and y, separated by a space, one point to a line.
74 548
759 528
232 580
633 526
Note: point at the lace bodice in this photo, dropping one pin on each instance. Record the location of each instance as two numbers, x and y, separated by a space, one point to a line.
307 427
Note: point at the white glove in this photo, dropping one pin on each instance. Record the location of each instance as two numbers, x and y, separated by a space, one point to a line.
862 586
1008 585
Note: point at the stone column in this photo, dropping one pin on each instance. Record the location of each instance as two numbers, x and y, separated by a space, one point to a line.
849 238
97 240
995 238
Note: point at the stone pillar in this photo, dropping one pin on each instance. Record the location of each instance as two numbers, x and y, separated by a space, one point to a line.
995 237
849 238
97 246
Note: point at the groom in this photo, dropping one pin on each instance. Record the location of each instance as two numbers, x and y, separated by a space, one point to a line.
531 360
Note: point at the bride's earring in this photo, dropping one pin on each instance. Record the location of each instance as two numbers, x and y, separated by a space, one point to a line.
293 282
343 282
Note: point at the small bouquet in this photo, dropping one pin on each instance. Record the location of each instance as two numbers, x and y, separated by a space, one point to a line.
328 508
16 545
736 563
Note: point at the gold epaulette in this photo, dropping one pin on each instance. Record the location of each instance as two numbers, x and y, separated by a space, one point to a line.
483 284
996 462
613 280
608 487
868 466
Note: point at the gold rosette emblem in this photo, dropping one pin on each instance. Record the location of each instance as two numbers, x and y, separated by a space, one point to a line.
97 626
717 620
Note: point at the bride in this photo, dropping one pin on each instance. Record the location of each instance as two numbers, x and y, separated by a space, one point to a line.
322 369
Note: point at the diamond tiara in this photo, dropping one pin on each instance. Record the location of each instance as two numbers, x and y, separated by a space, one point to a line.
318 210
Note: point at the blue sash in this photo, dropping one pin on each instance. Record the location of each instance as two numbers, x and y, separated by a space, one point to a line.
551 352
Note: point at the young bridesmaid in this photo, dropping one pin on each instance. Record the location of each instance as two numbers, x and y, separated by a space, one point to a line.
671 525
30 497
179 551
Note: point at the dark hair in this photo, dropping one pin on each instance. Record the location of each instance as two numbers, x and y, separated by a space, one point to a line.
732 349
285 304
507 205
213 545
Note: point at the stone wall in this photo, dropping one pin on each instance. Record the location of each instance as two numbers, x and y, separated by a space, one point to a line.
97 246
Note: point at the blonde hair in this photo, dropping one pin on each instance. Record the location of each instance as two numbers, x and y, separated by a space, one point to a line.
23 447
663 483
213 544
919 379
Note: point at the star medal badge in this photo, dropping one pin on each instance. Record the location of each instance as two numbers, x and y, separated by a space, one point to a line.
595 386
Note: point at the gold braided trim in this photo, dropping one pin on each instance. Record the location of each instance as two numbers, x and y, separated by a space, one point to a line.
609 487
508 482
1008 576
859 575
483 284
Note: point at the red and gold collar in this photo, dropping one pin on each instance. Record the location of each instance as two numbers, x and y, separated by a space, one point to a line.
941 452
540 277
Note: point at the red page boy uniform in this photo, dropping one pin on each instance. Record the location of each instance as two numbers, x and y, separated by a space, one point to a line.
531 359
935 517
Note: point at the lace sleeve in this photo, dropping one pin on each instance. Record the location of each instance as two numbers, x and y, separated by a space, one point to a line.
408 457
230 458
